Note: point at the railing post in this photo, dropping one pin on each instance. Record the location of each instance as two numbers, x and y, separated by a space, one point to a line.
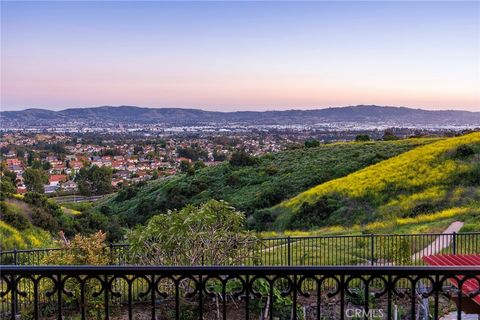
111 252
14 286
289 251
454 243
372 248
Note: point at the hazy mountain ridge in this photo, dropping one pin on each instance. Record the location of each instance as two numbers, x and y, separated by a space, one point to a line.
181 116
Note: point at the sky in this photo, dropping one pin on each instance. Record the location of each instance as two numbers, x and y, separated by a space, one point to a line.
240 55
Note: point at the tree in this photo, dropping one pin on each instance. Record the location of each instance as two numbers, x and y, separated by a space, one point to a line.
241 158
36 164
312 143
10 176
20 153
7 183
219 156
94 180
35 179
30 158
199 165
155 174
362 137
6 188
194 153
46 165
389 135
186 167
137 149
211 234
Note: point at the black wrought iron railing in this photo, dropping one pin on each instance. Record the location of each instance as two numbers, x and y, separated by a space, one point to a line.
176 292
375 249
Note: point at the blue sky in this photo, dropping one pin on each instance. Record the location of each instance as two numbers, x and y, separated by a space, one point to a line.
240 55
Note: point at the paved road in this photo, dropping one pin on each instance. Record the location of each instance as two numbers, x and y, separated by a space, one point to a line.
72 198
440 243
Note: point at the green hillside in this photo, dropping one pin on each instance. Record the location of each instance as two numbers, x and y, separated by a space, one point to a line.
262 184
427 180
17 230
33 220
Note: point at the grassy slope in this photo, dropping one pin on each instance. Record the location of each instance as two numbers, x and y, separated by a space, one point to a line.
425 180
31 237
274 178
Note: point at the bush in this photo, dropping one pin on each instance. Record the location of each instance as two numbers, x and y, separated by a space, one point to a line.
362 137
44 220
473 176
312 143
90 221
271 170
88 250
126 193
463 151
82 250
315 214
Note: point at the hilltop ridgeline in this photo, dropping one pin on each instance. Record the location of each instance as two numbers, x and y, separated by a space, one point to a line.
396 116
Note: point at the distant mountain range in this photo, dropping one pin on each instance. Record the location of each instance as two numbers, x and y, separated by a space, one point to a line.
398 116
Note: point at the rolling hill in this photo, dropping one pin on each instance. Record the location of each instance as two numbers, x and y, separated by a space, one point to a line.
412 185
441 176
394 116
263 184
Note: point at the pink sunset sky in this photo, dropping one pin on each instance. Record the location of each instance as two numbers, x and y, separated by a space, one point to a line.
240 55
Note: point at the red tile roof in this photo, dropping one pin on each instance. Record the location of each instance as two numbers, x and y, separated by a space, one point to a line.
57 177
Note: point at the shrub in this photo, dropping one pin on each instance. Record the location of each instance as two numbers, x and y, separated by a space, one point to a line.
312 143
88 250
463 151
362 137
44 220
315 214
81 250
126 193
271 170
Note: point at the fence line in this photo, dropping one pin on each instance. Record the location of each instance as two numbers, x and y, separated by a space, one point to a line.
373 249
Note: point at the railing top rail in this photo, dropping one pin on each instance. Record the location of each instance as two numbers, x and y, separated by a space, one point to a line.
370 235
29 250
244 270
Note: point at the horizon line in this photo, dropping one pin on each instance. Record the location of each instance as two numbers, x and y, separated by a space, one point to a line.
239 110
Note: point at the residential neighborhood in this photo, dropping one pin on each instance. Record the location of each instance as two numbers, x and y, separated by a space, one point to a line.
130 160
